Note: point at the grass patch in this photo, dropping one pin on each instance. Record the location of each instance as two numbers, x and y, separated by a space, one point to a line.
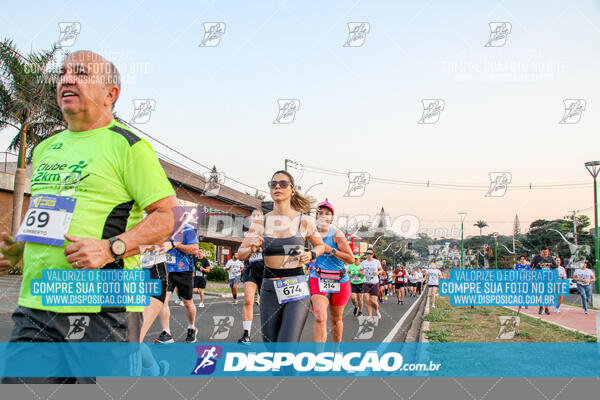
481 324
436 315
438 335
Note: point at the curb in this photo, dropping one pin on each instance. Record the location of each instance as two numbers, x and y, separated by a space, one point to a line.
424 324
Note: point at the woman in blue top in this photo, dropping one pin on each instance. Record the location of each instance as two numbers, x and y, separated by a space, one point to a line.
329 282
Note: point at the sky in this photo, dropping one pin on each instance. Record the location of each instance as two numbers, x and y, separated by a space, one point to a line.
359 105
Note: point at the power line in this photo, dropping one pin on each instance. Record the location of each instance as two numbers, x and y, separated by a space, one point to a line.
442 185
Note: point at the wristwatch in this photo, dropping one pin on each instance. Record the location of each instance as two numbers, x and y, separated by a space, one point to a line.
172 244
333 251
117 247
314 255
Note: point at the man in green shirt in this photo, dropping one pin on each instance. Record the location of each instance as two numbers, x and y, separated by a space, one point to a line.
105 177
356 282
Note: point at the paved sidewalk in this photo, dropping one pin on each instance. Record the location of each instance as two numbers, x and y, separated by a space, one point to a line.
570 317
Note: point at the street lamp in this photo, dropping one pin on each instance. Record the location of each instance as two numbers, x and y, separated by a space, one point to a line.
376 240
593 169
495 234
395 256
462 216
312 186
389 245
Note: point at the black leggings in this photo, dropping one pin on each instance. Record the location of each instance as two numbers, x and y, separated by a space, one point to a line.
281 322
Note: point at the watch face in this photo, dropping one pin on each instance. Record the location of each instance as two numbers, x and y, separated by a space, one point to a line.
118 247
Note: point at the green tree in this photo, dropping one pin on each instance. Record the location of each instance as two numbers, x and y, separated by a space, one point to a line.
28 104
480 225
257 194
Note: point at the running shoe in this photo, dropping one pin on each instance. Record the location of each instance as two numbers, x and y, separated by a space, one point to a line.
540 310
398 301
547 311
164 337
359 314
234 301
245 339
433 306
378 314
556 309
178 302
201 305
191 335
355 311
257 302
585 312
402 302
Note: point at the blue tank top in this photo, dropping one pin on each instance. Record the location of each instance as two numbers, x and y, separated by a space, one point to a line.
327 261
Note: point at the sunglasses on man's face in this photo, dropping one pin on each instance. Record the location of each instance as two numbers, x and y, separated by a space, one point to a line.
369 254
282 184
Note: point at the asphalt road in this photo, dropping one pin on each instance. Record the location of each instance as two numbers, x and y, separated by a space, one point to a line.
220 320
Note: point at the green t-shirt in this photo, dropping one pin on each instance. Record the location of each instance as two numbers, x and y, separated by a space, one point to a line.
356 277
113 174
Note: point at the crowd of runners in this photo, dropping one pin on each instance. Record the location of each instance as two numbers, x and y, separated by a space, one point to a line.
292 258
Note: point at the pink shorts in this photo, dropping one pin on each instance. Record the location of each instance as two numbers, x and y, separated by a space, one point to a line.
335 299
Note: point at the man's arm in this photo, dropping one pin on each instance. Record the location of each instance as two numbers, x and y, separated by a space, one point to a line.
155 229
187 248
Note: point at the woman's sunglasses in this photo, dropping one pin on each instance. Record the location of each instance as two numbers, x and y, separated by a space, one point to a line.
282 184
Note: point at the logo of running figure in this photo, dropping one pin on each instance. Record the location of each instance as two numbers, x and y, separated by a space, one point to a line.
68 33
213 181
223 325
357 33
142 110
212 34
508 327
77 326
292 254
357 183
573 110
432 109
499 182
287 111
499 32
184 217
366 327
207 359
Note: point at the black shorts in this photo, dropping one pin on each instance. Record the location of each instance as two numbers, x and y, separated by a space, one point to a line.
184 282
31 325
430 285
199 282
159 271
254 275
356 287
398 285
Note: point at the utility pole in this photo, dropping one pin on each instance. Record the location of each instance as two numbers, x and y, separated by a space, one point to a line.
286 164
575 226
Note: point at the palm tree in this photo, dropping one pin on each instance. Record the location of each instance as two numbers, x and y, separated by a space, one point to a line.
480 225
28 104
